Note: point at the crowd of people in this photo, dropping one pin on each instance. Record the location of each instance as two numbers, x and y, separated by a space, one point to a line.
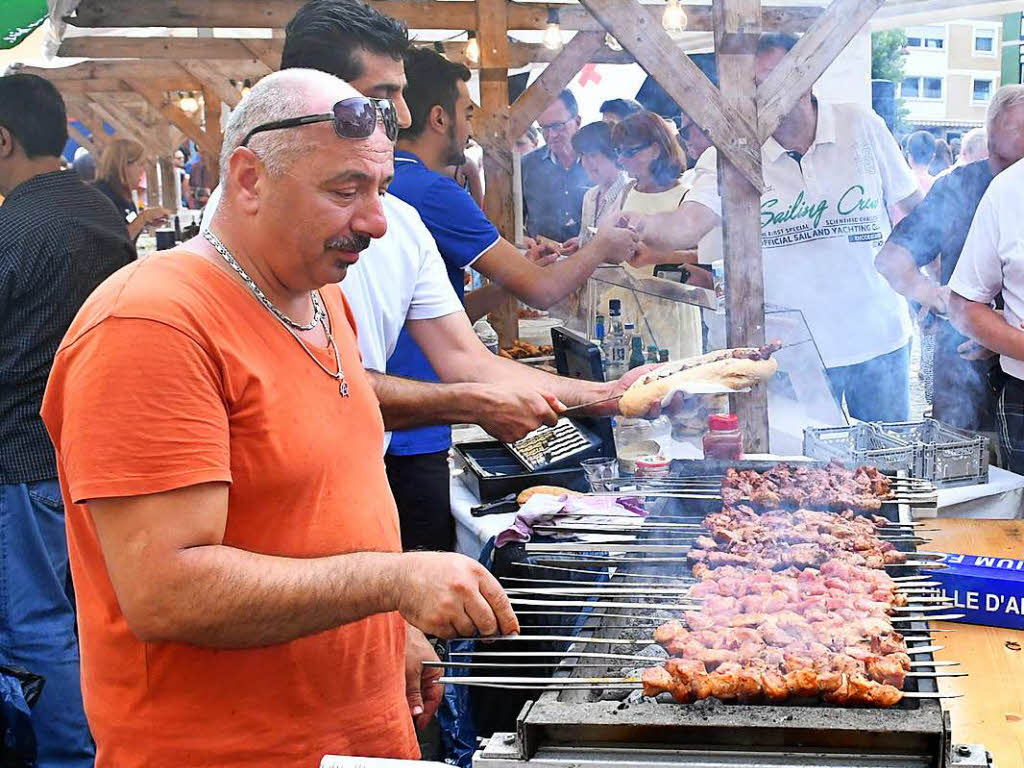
235 450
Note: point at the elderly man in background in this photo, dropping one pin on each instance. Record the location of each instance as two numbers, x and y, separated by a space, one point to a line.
242 596
59 239
963 395
834 182
992 264
973 148
554 180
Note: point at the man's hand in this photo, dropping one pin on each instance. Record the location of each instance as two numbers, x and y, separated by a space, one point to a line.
570 246
616 389
422 690
936 299
510 412
540 254
450 595
615 244
972 350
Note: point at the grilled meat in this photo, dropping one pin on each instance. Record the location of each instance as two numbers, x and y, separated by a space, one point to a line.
832 487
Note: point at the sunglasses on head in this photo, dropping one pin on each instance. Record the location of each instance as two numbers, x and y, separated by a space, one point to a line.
629 152
353 118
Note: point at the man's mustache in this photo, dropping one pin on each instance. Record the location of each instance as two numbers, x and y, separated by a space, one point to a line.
354 244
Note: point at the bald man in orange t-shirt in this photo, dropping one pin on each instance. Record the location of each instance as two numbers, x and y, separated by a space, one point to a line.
242 595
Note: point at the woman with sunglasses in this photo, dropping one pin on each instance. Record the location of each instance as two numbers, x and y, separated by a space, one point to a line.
651 156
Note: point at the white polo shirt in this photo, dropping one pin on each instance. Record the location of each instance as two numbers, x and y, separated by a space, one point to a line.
992 260
823 219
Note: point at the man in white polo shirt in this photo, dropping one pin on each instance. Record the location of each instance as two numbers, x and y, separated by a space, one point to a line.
834 183
992 262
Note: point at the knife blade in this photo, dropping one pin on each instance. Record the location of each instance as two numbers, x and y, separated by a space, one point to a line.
584 406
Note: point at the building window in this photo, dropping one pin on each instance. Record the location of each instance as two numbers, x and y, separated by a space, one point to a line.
927 38
984 41
921 88
982 91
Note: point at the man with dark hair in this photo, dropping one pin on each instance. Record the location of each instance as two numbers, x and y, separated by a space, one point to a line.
616 110
835 182
554 180
441 112
401 280
59 238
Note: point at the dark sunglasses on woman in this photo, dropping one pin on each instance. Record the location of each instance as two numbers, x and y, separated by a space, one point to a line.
353 118
632 151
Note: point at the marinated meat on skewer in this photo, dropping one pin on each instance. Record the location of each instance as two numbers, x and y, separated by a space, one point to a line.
832 487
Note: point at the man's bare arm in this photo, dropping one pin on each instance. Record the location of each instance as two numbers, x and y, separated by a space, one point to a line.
897 265
176 581
508 413
899 211
458 355
677 230
986 326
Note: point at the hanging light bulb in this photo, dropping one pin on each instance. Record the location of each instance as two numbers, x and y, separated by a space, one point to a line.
674 20
246 87
189 103
472 52
612 43
552 39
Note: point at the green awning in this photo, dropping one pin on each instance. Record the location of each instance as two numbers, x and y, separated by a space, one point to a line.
18 18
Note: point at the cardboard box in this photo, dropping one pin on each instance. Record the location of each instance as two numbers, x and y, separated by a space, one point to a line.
987 590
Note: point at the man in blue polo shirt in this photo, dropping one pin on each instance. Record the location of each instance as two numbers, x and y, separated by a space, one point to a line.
441 111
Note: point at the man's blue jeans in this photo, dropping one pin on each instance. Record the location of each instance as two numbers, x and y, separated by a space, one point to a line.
37 618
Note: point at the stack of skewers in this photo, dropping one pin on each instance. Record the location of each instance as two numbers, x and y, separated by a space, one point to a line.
780 604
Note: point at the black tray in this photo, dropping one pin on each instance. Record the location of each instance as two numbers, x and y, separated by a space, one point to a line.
506 475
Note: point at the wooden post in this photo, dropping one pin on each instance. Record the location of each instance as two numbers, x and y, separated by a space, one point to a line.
168 197
152 185
491 131
736 29
212 115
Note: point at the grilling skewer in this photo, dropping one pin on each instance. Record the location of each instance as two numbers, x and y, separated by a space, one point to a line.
622 656
600 665
607 683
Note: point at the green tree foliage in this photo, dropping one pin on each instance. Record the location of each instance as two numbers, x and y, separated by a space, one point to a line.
887 54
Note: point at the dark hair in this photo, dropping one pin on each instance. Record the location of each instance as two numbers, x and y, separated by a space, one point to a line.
433 81
32 109
594 137
921 147
621 107
772 41
328 34
649 128
943 158
569 101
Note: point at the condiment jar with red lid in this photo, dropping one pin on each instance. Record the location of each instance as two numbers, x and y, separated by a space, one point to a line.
723 440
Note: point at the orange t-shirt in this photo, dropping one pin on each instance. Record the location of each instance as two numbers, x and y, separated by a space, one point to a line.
172 374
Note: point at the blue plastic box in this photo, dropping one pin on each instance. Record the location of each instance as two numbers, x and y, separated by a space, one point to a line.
987 590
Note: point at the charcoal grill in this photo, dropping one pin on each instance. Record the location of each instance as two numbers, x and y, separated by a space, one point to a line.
572 728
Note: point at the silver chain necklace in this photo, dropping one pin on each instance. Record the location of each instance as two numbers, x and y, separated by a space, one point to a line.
319 315
318 310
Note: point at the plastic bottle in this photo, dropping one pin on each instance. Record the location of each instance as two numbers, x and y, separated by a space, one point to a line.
652 353
723 440
662 355
615 342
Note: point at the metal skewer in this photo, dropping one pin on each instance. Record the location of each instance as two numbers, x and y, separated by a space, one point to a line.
602 604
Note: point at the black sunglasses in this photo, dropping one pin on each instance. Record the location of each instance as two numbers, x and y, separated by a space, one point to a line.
353 118
632 151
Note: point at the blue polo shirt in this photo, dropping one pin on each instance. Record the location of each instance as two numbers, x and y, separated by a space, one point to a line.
462 233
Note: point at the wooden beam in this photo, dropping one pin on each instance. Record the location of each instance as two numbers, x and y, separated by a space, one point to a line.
170 48
127 124
79 110
169 200
552 81
80 136
682 80
176 117
212 117
736 33
152 185
415 13
783 88
267 52
891 15
213 81
492 25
